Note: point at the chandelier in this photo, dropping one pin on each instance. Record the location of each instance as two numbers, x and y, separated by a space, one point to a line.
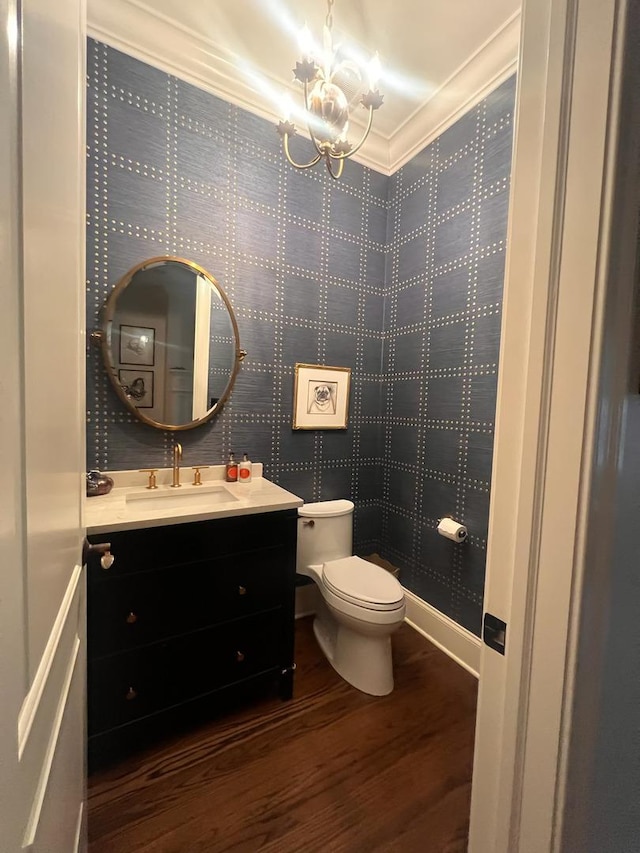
331 88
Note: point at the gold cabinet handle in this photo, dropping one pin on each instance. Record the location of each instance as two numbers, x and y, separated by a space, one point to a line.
242 590
130 694
239 656
152 477
132 618
197 477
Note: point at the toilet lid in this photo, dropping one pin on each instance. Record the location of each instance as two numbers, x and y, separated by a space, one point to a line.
360 582
326 509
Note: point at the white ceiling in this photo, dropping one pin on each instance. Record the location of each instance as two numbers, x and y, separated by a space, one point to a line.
438 57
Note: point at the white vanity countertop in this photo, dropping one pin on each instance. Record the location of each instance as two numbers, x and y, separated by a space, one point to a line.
130 506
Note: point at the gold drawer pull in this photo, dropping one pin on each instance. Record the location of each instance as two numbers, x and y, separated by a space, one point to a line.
239 656
132 618
130 694
242 590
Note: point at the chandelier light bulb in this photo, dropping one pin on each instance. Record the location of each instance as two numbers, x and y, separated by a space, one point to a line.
305 42
374 70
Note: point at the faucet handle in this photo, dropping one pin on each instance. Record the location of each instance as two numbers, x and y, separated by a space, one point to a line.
152 477
197 479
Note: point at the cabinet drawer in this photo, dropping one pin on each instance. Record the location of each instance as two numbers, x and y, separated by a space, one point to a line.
138 609
183 544
128 686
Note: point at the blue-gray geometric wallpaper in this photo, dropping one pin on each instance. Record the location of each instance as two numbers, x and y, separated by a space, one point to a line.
443 298
323 272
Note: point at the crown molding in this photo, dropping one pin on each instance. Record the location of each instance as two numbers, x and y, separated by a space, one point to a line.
140 31
493 63
146 34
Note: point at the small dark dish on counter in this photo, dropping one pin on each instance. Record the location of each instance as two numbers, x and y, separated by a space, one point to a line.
98 484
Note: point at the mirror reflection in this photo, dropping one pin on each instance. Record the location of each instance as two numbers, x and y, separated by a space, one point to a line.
170 343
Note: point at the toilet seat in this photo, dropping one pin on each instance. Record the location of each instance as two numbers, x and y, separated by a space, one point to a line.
363 584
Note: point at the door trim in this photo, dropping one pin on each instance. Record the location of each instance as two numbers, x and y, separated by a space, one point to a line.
545 429
522 416
33 698
80 830
45 773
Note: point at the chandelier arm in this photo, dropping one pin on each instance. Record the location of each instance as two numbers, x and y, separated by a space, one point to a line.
335 175
320 151
353 150
285 145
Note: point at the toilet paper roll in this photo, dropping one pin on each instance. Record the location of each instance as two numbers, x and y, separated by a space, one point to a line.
452 530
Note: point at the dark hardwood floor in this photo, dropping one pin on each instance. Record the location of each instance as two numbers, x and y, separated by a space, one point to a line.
332 770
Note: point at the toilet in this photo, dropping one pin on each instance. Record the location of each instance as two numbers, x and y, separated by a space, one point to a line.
361 604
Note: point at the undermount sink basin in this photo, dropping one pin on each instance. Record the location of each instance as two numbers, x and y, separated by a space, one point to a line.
196 497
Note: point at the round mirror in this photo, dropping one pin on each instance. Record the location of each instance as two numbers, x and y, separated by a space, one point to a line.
170 343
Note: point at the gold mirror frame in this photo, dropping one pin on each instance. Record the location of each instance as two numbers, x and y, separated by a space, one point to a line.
104 339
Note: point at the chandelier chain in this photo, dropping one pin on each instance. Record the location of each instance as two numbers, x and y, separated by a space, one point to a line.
329 19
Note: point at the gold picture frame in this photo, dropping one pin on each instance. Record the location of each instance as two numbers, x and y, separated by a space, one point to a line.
321 396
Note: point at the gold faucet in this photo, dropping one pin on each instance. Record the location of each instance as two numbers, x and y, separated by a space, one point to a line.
177 456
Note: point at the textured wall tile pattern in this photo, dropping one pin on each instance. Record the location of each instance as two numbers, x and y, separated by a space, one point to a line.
174 170
443 308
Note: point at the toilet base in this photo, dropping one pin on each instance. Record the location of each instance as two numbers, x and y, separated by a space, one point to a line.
362 659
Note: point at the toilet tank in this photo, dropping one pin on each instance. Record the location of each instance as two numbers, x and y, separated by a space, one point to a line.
325 532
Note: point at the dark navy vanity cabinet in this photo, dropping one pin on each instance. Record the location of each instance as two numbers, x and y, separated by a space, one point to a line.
189 619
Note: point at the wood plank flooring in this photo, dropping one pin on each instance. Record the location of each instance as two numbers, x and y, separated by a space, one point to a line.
332 770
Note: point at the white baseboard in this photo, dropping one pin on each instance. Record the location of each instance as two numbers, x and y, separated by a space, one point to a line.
459 644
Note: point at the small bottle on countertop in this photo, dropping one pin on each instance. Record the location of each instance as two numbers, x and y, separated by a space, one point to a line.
244 469
231 470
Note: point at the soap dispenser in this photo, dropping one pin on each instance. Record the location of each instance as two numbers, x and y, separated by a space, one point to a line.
231 470
244 469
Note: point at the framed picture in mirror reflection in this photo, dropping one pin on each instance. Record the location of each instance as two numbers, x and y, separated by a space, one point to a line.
138 386
137 345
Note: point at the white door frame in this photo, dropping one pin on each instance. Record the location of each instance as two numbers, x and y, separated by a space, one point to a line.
549 402
13 655
42 619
